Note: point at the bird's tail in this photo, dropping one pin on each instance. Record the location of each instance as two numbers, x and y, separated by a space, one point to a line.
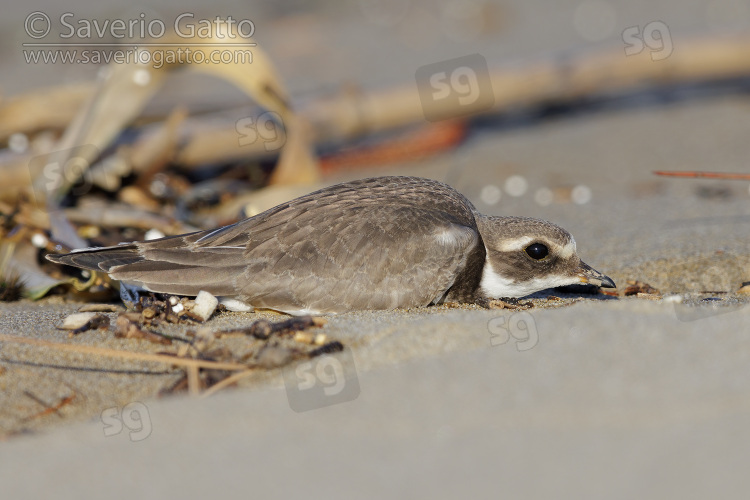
167 265
99 259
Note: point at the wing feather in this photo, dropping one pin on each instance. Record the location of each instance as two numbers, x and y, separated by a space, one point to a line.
371 244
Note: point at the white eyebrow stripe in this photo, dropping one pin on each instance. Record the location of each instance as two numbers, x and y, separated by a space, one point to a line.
515 244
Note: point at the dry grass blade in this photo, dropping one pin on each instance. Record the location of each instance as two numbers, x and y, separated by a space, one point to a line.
114 353
48 410
227 382
193 380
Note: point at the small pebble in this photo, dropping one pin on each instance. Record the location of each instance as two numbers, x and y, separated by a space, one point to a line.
203 338
673 299
318 321
178 308
39 240
183 350
304 337
273 356
320 339
127 327
89 232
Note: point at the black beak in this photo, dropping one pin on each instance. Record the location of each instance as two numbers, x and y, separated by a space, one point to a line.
588 274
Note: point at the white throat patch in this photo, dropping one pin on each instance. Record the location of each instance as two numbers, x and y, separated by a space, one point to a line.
495 286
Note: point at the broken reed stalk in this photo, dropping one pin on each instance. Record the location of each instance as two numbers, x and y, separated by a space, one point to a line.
114 353
193 381
351 114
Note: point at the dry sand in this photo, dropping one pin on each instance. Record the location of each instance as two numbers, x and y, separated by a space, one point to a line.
615 398
618 397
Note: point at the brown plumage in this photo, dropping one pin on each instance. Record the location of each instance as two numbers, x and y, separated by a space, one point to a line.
376 243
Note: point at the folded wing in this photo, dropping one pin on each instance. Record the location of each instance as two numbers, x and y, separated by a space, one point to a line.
398 243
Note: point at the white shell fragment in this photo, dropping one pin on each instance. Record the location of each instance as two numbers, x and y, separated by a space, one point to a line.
154 234
84 321
76 320
235 305
205 305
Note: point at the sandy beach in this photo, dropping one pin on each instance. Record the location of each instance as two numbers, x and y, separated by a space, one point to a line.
589 396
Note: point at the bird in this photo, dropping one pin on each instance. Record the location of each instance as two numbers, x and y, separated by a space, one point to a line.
379 243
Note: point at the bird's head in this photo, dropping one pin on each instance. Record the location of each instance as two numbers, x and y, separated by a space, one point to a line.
527 255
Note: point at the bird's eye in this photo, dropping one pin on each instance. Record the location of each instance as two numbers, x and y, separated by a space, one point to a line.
537 251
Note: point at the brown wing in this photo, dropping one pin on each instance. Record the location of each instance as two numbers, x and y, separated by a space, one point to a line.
371 244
